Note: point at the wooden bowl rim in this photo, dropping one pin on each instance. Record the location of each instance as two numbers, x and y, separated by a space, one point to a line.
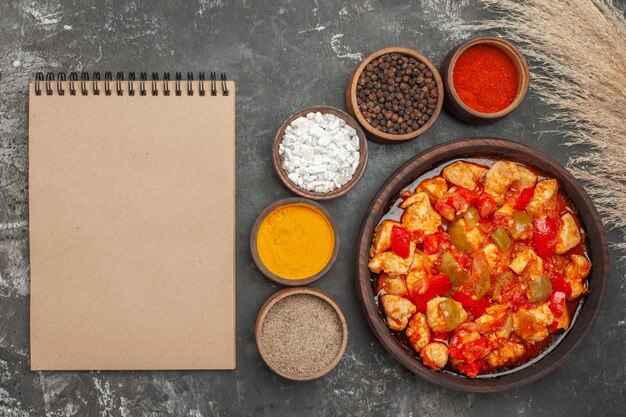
255 251
338 192
375 133
271 301
513 52
559 351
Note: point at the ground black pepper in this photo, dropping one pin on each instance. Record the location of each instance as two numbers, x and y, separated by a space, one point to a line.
396 94
302 334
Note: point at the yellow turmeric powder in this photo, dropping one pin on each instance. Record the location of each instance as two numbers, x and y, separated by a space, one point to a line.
295 241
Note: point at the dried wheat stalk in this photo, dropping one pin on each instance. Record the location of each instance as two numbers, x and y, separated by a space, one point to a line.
577 53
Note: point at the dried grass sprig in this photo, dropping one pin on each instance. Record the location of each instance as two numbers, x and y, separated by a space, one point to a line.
577 54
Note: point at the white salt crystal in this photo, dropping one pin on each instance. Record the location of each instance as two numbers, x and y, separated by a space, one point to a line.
319 152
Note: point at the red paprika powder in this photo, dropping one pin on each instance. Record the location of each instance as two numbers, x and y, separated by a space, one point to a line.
485 78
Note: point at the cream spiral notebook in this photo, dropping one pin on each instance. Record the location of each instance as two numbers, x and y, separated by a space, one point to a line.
132 222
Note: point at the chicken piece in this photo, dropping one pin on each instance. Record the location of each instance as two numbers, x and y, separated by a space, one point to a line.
415 198
497 310
417 277
500 178
392 284
435 187
544 199
398 310
437 319
464 174
435 355
527 262
526 179
498 261
418 331
532 324
420 215
575 275
478 170
475 236
492 253
569 234
391 263
504 211
382 237
493 318
507 352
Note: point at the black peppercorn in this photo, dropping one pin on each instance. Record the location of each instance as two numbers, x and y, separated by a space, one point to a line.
396 94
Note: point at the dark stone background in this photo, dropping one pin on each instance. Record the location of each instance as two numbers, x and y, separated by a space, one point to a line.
284 55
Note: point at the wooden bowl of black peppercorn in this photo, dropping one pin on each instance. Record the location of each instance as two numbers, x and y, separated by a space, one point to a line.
396 94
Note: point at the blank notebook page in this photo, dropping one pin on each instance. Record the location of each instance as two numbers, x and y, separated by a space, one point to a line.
132 216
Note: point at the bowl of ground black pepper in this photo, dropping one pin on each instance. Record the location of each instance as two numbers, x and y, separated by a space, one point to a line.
301 333
485 79
396 94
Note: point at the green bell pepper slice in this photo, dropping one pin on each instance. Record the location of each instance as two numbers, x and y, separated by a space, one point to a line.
501 239
539 289
451 313
452 269
522 221
483 282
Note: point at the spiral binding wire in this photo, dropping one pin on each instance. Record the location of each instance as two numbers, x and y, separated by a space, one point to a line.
118 83
48 80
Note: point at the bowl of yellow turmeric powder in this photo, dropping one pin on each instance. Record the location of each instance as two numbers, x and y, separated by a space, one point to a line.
294 241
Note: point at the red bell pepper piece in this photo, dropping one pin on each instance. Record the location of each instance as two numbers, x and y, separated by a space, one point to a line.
478 349
437 285
486 205
464 298
546 231
436 242
467 195
560 285
471 353
431 244
400 241
477 307
524 198
459 200
454 351
417 236
472 369
557 303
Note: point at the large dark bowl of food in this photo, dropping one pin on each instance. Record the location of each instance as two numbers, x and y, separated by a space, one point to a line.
481 264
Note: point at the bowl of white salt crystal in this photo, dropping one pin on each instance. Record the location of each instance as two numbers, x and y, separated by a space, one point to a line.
320 152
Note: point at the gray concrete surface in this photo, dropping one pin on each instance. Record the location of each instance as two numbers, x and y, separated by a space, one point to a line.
284 55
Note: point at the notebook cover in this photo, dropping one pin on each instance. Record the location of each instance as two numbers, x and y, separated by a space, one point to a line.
132 228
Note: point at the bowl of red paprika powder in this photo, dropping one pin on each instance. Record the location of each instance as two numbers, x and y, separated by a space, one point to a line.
485 79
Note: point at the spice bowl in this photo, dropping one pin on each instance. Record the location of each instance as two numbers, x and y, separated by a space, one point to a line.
291 343
453 101
371 89
294 241
344 187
